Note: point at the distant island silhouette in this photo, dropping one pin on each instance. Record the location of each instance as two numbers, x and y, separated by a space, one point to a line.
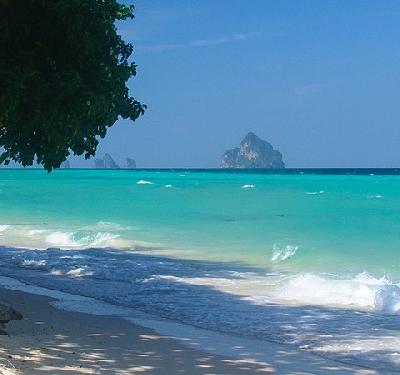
253 152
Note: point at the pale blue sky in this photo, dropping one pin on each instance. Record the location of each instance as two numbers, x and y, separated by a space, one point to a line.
320 80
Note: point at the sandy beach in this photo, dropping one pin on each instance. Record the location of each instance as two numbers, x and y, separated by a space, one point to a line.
53 341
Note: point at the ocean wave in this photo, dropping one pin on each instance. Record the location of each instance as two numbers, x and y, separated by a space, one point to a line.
144 182
35 264
79 272
101 234
363 292
387 299
315 192
81 240
248 186
281 253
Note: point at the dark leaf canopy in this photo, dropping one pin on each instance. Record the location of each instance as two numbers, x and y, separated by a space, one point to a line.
63 76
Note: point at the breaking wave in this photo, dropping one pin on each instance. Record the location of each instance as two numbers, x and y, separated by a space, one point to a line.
361 292
101 234
144 182
65 240
315 192
281 253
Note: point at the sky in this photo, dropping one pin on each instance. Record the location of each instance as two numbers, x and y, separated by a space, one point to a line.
319 80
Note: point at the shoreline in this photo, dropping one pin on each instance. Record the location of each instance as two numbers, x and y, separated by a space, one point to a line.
51 340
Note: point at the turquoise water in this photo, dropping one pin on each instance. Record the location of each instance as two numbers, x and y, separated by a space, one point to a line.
309 258
346 223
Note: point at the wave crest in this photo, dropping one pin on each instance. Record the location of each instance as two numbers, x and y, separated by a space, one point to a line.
144 182
280 253
362 292
80 240
315 192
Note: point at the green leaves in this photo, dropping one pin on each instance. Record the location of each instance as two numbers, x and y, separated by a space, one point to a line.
125 12
63 75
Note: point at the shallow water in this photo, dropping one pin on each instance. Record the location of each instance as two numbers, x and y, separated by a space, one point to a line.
304 258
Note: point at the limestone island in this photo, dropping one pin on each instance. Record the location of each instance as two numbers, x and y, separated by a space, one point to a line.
129 163
253 152
107 162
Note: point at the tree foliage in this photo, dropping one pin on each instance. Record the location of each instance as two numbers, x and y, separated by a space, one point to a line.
63 76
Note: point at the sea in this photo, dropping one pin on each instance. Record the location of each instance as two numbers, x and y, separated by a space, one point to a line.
303 257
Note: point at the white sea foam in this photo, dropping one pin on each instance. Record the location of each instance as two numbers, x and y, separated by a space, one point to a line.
387 299
375 196
31 263
363 292
281 253
35 232
79 272
248 186
65 240
144 182
101 234
168 186
4 228
315 192
61 239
